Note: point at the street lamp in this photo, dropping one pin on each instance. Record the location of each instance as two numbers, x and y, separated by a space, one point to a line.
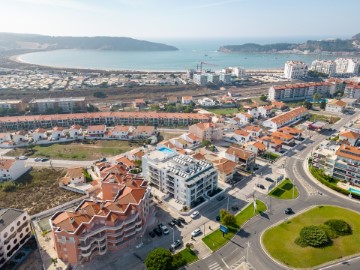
227 206
173 235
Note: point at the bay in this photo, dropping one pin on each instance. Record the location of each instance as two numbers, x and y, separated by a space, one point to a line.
191 52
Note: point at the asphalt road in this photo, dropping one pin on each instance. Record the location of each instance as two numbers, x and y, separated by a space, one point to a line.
237 249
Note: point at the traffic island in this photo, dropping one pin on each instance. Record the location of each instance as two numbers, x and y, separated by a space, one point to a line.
282 242
285 191
218 238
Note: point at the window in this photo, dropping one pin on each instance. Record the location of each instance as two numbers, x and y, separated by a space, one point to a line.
18 223
12 229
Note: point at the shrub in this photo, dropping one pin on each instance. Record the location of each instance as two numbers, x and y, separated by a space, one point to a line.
9 186
339 226
314 236
178 261
329 231
300 242
159 259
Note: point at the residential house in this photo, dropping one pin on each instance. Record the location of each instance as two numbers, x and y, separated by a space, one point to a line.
245 158
21 136
254 112
15 231
349 137
255 131
74 176
225 169
336 106
192 139
75 131
144 131
279 105
207 131
11 169
39 134
179 142
265 111
186 100
244 118
287 139
96 131
286 118
139 103
255 147
124 160
122 132
56 133
207 102
272 144
172 99
135 154
241 136
5 137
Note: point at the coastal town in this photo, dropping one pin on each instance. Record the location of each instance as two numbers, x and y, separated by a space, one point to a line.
170 161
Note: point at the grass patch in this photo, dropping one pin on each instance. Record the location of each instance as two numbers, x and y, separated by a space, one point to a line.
77 150
285 190
215 240
224 111
188 255
324 118
280 240
271 156
36 191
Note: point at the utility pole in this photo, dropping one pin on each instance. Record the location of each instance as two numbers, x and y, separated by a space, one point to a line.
227 206
173 235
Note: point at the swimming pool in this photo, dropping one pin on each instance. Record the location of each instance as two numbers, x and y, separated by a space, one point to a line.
166 150
353 190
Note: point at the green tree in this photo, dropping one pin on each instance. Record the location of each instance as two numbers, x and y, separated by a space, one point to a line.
99 94
159 259
323 104
206 143
316 96
227 218
154 107
307 104
263 98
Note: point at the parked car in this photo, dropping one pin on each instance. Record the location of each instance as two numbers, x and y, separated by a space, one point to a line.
260 186
217 218
194 214
196 232
235 208
171 224
44 159
220 197
103 159
157 231
22 158
37 159
182 220
176 244
152 234
178 223
269 179
288 211
163 228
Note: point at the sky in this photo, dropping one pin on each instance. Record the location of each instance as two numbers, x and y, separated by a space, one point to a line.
166 19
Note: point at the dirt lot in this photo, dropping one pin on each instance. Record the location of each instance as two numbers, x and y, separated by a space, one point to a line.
77 151
37 191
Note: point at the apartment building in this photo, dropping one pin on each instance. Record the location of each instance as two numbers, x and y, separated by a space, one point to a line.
107 118
213 78
15 231
347 65
300 91
11 169
181 177
99 225
349 137
352 91
286 118
207 131
66 105
207 102
342 162
200 79
225 78
295 70
324 66
14 105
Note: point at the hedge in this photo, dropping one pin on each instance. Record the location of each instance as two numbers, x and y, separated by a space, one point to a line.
321 177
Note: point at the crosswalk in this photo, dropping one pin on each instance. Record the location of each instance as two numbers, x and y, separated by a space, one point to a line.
213 265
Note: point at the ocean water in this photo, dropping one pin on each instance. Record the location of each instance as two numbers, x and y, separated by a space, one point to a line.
191 52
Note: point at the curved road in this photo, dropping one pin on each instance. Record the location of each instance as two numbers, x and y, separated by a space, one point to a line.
311 194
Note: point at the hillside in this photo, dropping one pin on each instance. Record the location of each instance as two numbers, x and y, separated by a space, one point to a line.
335 45
10 41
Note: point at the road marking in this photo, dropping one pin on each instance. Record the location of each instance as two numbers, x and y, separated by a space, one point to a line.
225 264
215 266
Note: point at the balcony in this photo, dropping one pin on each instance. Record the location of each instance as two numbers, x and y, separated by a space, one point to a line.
89 241
89 252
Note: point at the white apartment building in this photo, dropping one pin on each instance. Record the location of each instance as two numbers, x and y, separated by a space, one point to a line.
71 104
179 176
225 78
15 230
336 106
213 78
324 66
238 72
207 102
200 79
295 70
352 91
300 91
347 65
